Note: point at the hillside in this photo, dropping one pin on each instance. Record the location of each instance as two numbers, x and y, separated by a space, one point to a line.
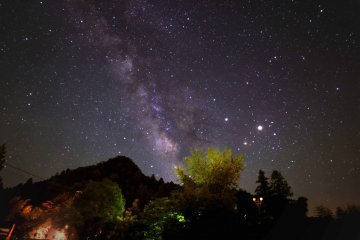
122 170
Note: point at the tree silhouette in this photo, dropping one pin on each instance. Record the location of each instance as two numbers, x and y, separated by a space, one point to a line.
323 212
263 189
301 207
2 161
277 201
279 186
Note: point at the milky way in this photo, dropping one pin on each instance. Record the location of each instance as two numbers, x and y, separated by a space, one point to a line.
84 81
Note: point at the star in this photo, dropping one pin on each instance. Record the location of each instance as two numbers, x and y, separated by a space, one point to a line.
152 80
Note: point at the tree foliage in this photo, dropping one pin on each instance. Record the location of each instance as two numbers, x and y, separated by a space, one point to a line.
101 202
2 155
323 212
263 189
209 181
279 186
349 211
159 215
2 160
218 170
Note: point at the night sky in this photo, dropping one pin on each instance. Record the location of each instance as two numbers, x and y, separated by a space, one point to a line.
279 81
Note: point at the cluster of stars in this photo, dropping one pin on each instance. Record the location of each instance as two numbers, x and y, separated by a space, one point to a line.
82 82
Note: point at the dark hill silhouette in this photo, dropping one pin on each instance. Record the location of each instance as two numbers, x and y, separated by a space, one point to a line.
121 169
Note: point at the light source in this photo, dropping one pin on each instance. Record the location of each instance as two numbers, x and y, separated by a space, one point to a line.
258 202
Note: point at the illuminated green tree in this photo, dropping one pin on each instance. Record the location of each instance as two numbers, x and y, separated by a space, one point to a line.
159 216
209 180
217 170
100 203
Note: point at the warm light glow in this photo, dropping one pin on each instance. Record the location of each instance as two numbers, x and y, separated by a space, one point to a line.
261 198
59 235
27 210
47 229
41 231
254 199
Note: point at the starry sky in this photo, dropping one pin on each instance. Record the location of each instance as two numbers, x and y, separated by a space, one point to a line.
278 81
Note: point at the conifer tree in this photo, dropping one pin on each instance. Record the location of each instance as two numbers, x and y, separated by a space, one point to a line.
279 186
263 189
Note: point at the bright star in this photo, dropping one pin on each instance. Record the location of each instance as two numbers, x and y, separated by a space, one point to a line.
260 128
